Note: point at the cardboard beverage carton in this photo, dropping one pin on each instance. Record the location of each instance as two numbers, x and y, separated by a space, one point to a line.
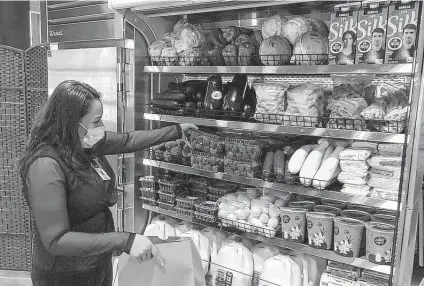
342 36
371 32
402 33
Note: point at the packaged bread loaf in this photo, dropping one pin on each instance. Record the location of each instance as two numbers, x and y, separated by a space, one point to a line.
353 179
354 155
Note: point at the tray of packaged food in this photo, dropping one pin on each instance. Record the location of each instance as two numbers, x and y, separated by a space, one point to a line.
147 182
148 202
171 186
166 206
206 142
184 211
187 202
148 193
220 189
205 217
242 168
244 149
207 162
207 207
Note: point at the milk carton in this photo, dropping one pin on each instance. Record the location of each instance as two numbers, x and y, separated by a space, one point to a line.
371 32
342 36
402 31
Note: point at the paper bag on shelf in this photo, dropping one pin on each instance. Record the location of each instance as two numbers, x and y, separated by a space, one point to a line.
183 266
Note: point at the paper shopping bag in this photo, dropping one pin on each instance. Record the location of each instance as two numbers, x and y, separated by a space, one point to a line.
183 266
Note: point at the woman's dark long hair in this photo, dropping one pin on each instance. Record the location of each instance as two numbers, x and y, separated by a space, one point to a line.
57 124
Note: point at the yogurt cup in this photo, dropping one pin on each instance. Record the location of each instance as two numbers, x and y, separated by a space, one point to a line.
384 218
348 235
293 224
334 203
356 214
320 229
363 208
327 209
379 242
309 205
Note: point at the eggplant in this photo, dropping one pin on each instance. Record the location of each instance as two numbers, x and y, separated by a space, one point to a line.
216 38
230 53
233 100
214 98
250 102
162 102
168 95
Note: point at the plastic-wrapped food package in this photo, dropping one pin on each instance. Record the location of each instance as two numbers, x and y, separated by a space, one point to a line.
354 155
160 228
261 252
388 174
353 179
361 190
365 145
236 261
216 238
352 166
383 183
202 244
392 149
281 270
385 163
384 194
271 99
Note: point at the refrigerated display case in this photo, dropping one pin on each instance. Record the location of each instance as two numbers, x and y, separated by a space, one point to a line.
137 25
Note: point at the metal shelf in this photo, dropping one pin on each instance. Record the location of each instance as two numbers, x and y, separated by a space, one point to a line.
296 189
274 128
389 69
327 254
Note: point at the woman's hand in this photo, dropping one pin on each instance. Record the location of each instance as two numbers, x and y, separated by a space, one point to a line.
144 249
187 126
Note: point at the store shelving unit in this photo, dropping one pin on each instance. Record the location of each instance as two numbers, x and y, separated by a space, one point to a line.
295 189
389 69
330 255
280 129
156 77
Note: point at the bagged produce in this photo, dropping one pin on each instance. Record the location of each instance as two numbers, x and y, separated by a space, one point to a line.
261 252
354 155
383 183
385 163
360 190
310 49
349 108
280 270
275 51
328 170
202 244
351 86
236 261
216 238
298 158
353 179
305 100
230 33
355 167
274 26
312 164
160 228
271 99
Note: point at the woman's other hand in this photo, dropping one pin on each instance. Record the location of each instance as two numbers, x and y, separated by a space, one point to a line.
144 249
187 126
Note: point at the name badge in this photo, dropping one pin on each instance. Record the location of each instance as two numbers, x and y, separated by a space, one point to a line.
99 169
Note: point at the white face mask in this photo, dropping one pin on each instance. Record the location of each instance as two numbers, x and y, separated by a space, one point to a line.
93 135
